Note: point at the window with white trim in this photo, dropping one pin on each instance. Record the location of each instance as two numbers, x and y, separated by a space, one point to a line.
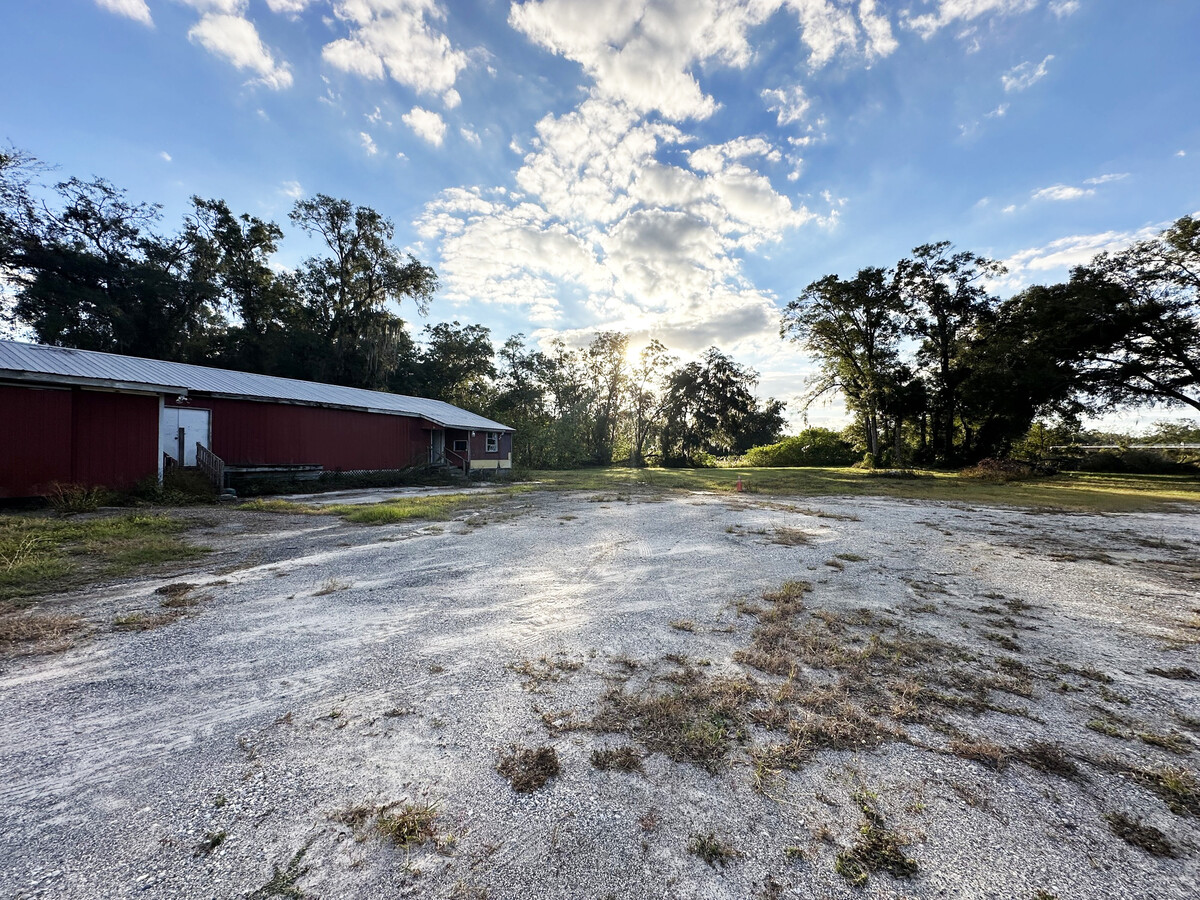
493 442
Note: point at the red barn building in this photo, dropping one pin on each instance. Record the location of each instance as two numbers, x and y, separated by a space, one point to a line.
79 416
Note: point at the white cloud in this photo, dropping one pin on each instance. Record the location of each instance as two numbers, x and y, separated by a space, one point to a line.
948 12
131 9
1065 253
1105 179
1064 8
471 136
1181 153
288 7
601 224
644 53
236 39
292 189
999 112
880 41
1061 192
368 143
374 117
1025 75
428 125
164 156
396 36
789 103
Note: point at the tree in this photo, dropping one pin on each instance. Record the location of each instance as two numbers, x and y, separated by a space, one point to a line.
457 365
647 397
235 253
606 366
944 296
346 295
710 408
95 275
853 328
1149 294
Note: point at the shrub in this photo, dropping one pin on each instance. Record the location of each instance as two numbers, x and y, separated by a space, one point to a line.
811 447
68 499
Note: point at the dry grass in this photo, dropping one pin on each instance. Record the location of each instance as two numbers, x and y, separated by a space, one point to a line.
528 769
621 759
1133 831
28 633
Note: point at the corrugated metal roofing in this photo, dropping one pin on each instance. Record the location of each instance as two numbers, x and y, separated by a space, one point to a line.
165 377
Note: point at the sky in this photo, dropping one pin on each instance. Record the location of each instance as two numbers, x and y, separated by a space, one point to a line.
676 169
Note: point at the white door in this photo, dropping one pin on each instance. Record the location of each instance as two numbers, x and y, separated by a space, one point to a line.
194 424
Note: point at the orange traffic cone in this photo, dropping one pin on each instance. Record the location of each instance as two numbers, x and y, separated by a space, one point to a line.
739 485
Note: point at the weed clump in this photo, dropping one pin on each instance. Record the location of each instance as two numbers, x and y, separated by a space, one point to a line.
622 759
696 723
1178 673
408 825
528 768
1133 831
1176 786
877 849
710 849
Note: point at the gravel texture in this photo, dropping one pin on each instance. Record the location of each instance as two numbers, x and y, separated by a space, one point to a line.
328 667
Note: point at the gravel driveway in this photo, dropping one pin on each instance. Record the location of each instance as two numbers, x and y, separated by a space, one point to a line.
971 703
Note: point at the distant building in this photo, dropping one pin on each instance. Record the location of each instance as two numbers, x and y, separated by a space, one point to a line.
79 416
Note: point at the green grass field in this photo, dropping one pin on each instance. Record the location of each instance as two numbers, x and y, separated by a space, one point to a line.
1072 491
39 554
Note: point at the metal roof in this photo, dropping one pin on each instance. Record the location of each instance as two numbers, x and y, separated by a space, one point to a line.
37 362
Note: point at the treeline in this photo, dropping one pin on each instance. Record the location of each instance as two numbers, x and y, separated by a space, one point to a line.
935 369
938 371
94 270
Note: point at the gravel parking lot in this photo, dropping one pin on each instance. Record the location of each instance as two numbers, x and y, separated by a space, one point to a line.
800 698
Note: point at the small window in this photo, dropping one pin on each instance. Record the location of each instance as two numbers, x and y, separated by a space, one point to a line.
493 442
460 446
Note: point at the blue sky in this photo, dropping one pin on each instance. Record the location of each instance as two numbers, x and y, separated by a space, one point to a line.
676 169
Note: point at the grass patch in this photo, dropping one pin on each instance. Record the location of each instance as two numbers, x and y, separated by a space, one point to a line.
697 722
1133 831
683 625
621 759
877 848
1175 786
1178 673
1075 490
40 554
710 849
399 509
32 633
409 824
850 557
528 769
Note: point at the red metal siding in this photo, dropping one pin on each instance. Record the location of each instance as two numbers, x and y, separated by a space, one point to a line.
35 442
247 433
115 438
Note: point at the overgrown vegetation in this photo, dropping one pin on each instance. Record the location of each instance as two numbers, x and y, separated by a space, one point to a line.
438 507
40 555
